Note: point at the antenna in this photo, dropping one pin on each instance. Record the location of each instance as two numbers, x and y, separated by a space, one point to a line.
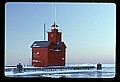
44 31
52 11
55 16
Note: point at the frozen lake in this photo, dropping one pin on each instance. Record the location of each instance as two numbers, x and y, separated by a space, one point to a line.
108 71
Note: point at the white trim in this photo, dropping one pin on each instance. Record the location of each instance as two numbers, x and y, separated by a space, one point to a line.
36 61
57 50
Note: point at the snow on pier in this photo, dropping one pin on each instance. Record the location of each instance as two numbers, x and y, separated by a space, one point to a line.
67 71
46 70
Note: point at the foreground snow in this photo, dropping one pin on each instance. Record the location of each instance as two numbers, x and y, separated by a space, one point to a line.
108 71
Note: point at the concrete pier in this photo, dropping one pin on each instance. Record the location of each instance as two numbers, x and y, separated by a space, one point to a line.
53 68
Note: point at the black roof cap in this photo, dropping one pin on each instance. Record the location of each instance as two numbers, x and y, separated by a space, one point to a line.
54 25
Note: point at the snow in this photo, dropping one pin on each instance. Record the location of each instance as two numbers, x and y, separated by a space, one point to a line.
57 50
86 64
36 61
108 65
47 72
89 64
9 67
108 71
37 46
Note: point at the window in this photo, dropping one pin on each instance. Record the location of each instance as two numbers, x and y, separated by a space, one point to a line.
35 54
51 35
62 48
51 47
62 58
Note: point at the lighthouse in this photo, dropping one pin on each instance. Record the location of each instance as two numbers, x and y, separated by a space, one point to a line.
54 35
51 52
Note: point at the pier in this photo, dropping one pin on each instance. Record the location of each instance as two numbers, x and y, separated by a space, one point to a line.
51 68
61 68
20 68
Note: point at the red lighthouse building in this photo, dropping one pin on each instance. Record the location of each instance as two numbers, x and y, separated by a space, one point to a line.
51 52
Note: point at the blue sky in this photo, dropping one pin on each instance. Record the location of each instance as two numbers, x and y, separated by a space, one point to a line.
88 30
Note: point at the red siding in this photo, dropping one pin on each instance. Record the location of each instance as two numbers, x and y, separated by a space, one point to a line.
48 57
42 56
55 58
54 37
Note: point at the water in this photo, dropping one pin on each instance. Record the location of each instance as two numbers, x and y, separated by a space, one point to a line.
108 71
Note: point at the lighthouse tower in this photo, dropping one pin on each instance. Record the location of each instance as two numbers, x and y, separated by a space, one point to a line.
54 36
